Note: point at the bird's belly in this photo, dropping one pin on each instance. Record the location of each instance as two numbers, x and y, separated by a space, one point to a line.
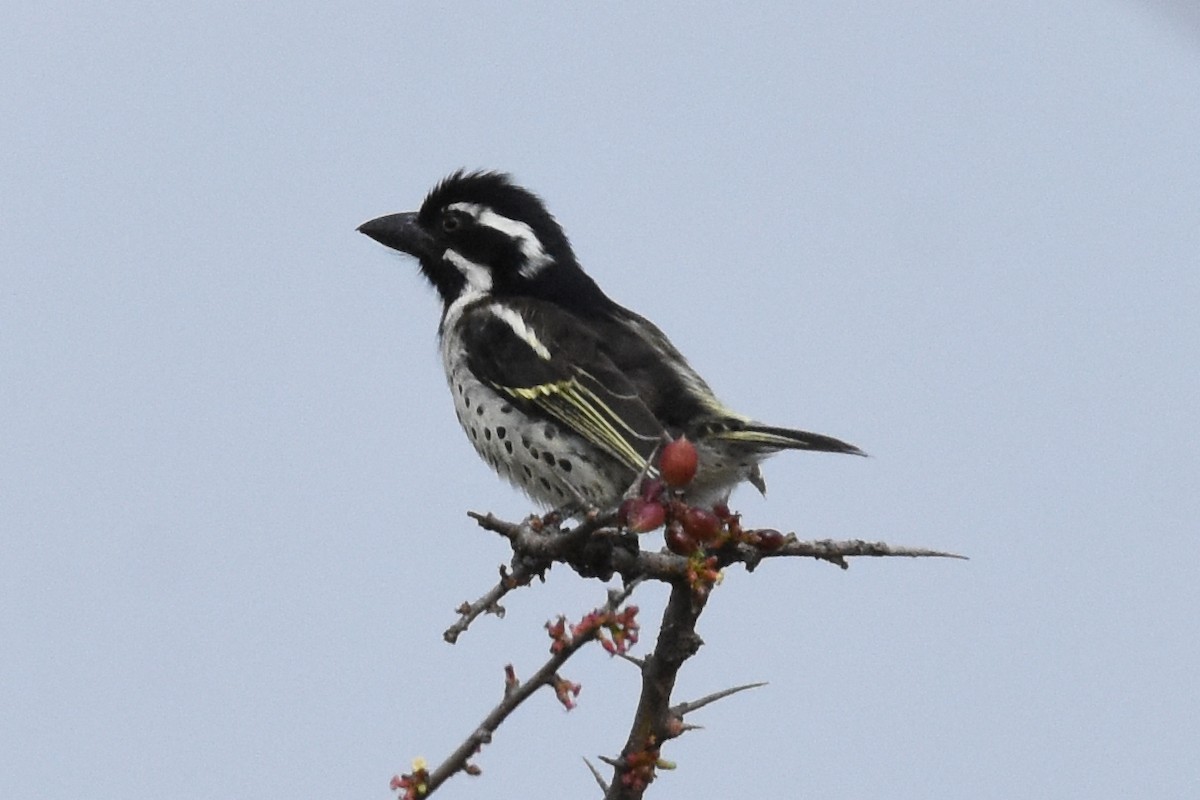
551 464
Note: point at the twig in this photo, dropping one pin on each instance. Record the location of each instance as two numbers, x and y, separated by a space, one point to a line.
537 544
489 602
637 662
594 549
514 696
835 551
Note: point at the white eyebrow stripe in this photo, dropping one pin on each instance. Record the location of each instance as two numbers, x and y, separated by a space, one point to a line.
478 277
536 257
517 323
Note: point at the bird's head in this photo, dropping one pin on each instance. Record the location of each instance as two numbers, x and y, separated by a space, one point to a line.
479 233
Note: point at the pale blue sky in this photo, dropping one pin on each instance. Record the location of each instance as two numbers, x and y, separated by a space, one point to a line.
233 492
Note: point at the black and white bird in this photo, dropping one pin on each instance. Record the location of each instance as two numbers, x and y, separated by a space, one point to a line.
561 390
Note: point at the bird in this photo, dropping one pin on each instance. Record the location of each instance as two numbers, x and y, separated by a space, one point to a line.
563 391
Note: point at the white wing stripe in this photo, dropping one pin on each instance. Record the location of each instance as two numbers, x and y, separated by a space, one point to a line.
523 332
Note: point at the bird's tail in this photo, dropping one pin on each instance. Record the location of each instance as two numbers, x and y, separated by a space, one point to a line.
772 438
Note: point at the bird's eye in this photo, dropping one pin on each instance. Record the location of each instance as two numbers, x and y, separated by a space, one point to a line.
451 223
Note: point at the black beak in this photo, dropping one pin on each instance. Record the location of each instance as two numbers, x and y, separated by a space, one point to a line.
400 232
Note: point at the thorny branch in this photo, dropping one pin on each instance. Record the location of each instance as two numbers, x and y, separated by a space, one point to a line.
700 543
421 782
527 563
610 551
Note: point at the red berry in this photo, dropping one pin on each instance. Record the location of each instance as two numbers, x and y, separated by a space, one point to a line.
678 541
701 525
678 462
643 516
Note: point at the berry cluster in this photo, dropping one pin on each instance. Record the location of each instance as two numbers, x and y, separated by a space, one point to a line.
689 529
692 531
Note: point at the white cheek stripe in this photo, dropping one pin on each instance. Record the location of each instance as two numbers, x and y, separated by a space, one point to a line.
479 279
536 257
522 330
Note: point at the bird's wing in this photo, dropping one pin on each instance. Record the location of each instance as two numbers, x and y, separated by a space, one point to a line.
552 363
